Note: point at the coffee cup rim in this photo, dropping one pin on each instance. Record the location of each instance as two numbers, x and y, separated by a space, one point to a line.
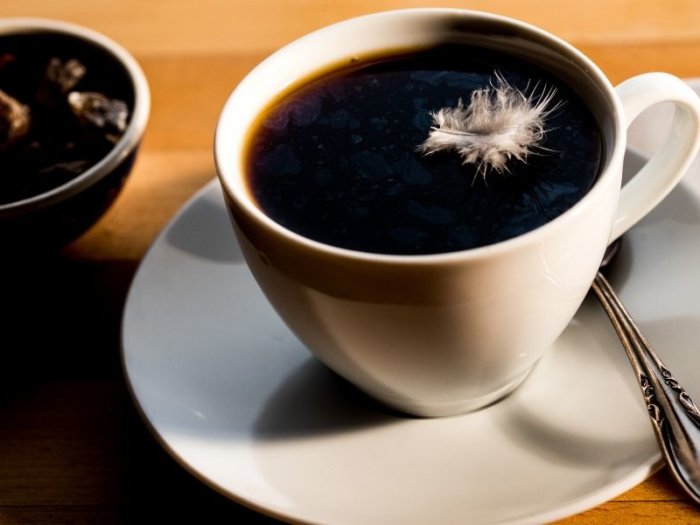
231 175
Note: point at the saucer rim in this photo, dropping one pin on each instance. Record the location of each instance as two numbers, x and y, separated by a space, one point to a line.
575 506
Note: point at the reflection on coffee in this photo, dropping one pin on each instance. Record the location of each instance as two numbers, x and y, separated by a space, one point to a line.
338 159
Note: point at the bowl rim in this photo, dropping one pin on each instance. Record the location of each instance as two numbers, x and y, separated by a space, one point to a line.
124 146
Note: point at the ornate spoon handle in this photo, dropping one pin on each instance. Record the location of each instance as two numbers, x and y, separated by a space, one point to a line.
674 416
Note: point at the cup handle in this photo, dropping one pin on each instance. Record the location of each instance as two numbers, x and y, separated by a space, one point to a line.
666 167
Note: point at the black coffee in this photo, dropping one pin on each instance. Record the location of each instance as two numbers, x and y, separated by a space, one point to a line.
337 161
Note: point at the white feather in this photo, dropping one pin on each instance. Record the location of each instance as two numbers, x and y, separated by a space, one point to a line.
500 123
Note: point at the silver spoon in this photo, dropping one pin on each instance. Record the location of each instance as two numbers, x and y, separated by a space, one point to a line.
674 416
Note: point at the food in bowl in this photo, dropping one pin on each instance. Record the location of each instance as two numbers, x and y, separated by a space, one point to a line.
73 108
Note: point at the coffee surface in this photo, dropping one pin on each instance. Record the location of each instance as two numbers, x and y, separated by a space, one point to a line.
337 160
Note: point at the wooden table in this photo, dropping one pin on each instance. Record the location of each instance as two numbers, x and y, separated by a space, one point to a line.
72 447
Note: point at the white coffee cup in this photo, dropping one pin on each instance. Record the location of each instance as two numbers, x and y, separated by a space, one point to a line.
435 335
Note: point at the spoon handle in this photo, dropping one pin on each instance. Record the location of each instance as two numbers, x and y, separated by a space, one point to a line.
674 416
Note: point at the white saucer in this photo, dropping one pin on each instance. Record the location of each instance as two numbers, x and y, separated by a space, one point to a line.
241 404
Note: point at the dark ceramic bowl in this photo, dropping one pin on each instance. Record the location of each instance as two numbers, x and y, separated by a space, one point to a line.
55 216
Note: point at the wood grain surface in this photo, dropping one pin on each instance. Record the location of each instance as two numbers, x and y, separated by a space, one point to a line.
72 447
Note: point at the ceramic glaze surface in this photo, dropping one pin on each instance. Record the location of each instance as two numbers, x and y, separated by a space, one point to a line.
435 335
51 218
240 403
